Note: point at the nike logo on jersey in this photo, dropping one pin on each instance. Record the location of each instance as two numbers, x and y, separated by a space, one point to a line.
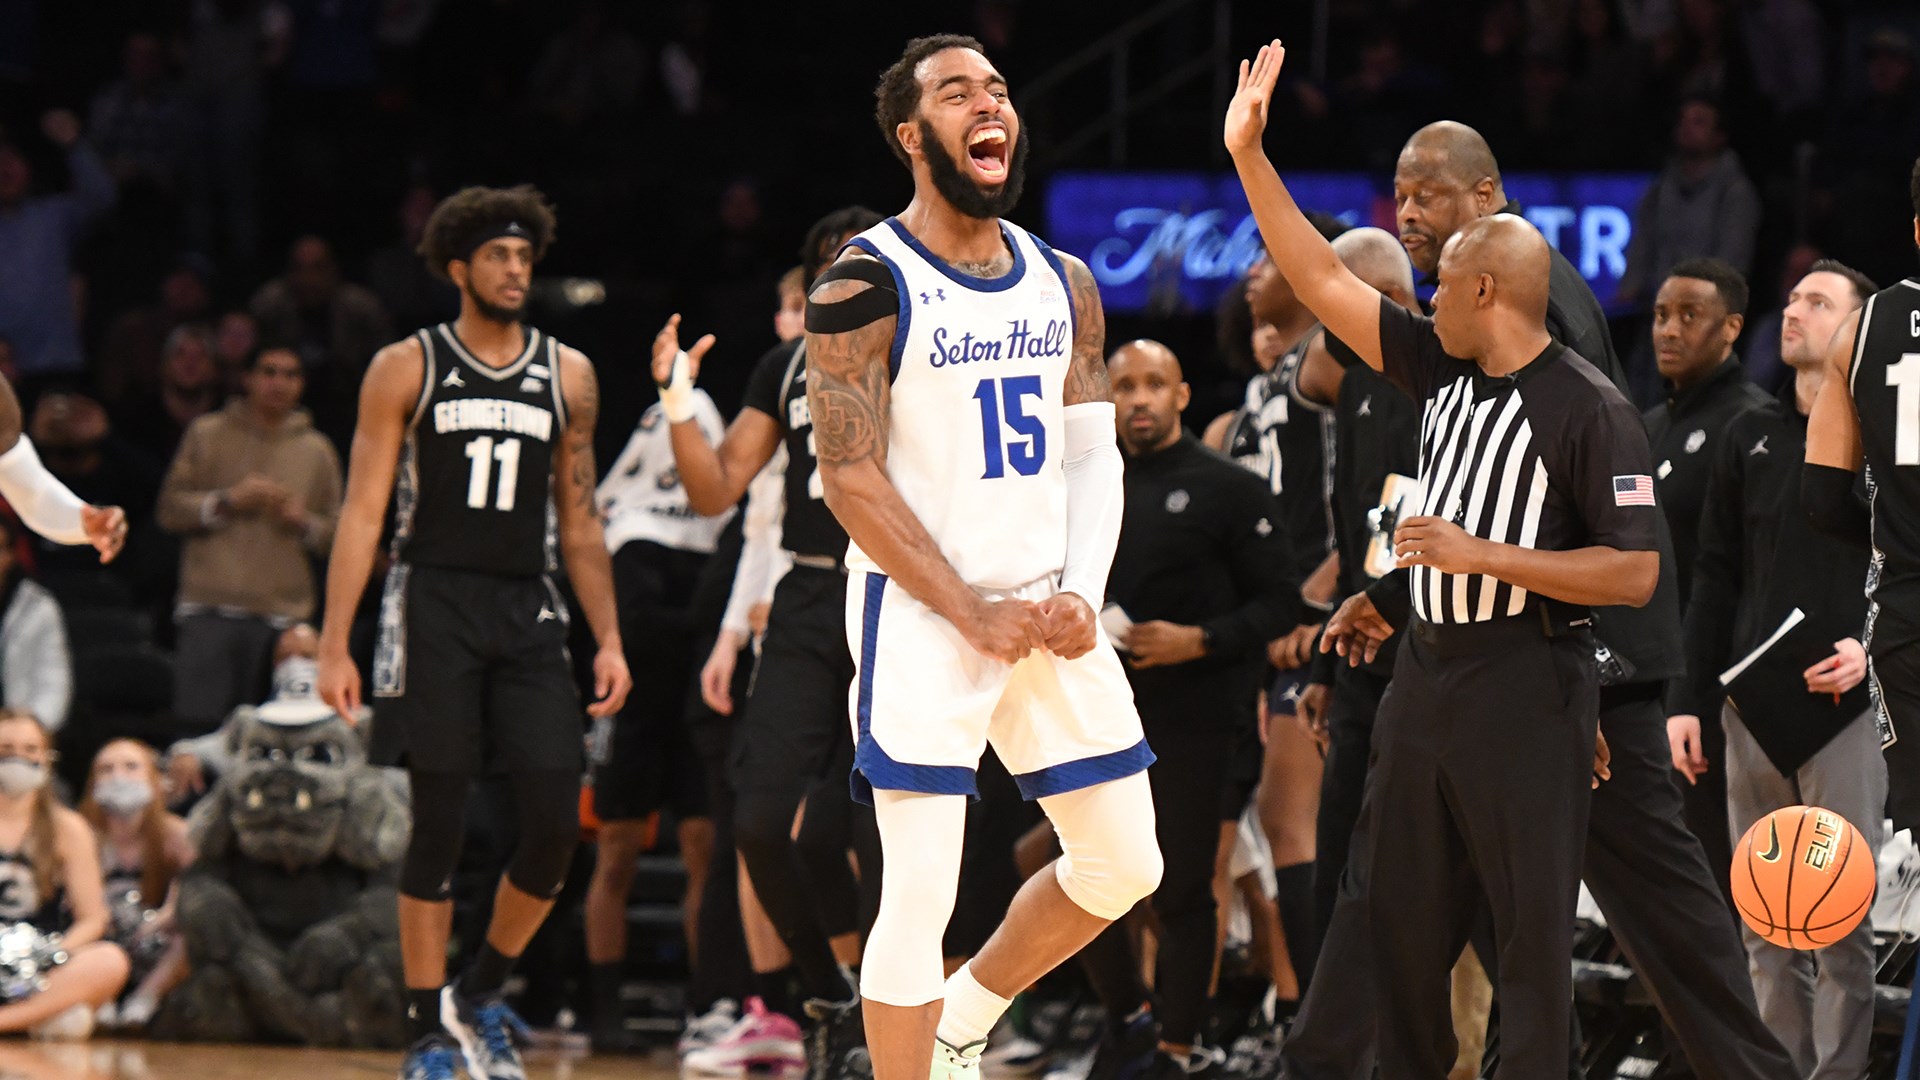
531 385
938 294
453 378
1759 447
546 614
1772 854
1021 343
1366 406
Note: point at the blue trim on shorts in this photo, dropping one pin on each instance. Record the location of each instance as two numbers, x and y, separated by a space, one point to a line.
1085 773
872 768
904 321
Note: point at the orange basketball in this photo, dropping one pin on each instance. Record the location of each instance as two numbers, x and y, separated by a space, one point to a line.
1803 878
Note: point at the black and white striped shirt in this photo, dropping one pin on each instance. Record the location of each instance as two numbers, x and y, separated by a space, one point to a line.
1551 457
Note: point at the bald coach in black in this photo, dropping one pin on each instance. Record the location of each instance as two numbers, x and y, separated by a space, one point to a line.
1538 505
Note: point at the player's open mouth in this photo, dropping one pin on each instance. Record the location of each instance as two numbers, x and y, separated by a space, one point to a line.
987 149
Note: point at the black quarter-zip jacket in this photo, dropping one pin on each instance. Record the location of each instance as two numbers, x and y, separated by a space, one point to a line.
1759 557
1686 432
1201 545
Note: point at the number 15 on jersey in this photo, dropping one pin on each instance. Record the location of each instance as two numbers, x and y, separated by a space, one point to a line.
1003 406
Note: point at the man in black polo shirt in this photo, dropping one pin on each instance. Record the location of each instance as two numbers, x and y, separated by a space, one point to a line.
1201 582
1538 505
1697 316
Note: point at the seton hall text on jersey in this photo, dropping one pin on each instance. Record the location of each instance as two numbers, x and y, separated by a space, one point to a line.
1020 343
491 414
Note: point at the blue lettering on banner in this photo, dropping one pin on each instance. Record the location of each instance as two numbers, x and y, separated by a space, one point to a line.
1169 242
1020 343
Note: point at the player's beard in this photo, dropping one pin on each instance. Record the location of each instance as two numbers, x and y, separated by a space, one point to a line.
494 312
967 195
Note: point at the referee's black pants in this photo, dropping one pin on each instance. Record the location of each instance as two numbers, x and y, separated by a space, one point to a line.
1648 874
1483 755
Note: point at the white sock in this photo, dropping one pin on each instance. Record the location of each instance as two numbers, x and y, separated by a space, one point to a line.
970 1011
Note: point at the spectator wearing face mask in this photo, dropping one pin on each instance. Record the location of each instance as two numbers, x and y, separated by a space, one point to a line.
50 879
192 765
143 850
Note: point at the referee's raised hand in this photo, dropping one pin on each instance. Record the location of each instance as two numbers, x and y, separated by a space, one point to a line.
1247 112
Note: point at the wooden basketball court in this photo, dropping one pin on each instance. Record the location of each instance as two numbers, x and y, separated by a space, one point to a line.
107 1060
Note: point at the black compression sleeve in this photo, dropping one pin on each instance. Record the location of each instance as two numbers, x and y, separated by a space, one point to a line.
1827 495
1392 597
862 308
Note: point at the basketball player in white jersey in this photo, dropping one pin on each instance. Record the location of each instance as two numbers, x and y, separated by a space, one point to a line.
966 441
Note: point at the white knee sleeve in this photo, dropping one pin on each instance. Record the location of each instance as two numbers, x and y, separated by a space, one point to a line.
920 841
1110 859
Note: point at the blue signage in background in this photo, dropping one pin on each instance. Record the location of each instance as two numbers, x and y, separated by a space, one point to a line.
1168 242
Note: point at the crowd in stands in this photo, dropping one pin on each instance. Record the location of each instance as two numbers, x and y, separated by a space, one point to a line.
208 213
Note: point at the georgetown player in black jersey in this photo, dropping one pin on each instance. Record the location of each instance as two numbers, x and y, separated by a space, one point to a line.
1285 439
790 737
1868 414
481 431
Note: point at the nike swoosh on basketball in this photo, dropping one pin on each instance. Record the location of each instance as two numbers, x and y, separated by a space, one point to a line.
1772 854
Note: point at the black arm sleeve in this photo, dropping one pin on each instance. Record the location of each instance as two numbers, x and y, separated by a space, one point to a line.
1717 578
1827 494
1392 597
1321 665
1259 555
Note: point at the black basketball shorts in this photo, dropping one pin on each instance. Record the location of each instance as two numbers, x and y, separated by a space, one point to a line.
797 716
471 673
650 761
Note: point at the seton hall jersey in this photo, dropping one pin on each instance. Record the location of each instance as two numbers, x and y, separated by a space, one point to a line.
1885 379
979 368
475 484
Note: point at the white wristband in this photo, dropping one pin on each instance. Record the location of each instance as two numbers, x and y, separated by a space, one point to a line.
44 504
676 394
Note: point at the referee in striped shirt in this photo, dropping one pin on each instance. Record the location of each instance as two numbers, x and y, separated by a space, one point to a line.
1538 505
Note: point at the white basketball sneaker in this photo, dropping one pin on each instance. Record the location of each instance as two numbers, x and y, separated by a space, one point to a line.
957 1064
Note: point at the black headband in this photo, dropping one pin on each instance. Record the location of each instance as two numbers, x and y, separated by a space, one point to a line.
488 231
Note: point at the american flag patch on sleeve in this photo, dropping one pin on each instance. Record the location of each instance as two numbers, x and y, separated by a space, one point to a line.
1633 491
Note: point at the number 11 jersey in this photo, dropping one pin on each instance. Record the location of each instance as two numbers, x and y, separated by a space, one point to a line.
976 430
474 489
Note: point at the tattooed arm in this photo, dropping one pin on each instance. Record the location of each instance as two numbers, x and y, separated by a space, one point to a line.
582 543
1087 374
849 390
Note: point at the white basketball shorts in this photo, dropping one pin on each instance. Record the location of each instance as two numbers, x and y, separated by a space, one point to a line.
925 704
